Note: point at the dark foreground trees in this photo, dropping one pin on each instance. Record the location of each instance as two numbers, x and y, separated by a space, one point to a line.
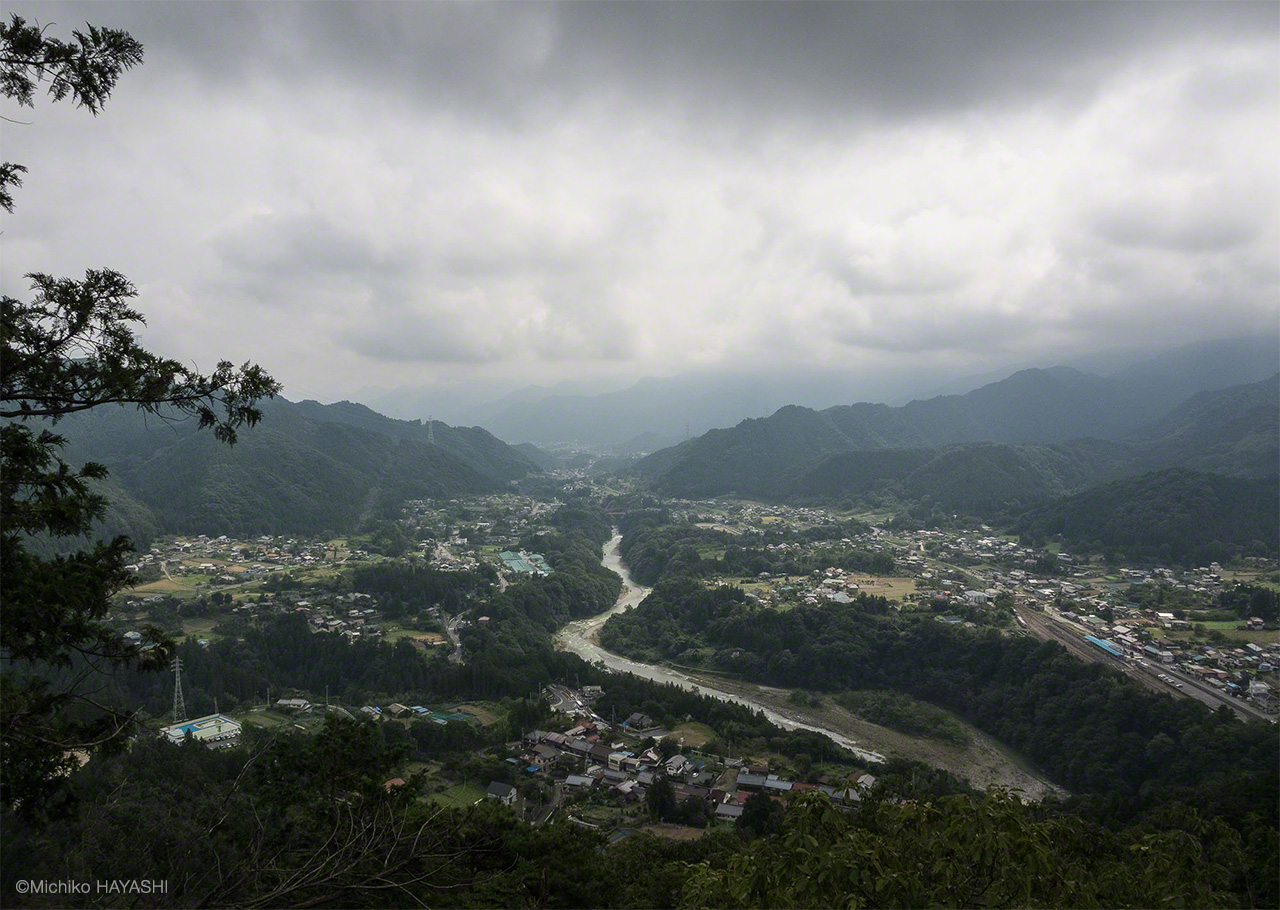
305 820
70 348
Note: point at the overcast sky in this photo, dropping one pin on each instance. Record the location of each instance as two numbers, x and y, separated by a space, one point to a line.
417 194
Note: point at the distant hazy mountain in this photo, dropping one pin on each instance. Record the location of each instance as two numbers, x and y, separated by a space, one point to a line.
1161 382
643 444
1033 406
544 460
662 407
305 468
672 408
1036 435
583 414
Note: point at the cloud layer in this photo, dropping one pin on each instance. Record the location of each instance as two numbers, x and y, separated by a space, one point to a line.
361 195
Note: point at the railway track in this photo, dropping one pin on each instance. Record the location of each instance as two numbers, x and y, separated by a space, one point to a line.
1044 627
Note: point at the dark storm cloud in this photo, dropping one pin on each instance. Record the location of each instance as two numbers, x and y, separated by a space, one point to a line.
833 61
407 337
276 248
922 328
1208 229
398 193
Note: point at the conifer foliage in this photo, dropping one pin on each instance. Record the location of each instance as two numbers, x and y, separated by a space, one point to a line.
71 348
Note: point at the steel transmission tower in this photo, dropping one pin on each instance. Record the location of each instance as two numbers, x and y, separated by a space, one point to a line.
179 706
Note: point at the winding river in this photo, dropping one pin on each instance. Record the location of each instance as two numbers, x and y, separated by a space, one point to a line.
579 637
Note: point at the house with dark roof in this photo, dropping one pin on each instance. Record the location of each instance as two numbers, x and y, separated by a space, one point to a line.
678 765
640 723
503 793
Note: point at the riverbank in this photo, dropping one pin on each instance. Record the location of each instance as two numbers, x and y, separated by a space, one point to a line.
984 762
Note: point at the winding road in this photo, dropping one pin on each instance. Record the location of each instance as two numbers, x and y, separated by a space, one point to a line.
580 638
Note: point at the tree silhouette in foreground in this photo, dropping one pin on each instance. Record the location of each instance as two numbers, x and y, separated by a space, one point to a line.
72 348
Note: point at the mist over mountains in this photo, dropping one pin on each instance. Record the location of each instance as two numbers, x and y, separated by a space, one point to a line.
657 412
1036 435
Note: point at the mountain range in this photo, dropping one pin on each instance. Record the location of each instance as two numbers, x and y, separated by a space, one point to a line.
659 411
1003 448
306 468
1033 436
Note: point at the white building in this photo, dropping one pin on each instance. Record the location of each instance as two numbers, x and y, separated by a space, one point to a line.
210 729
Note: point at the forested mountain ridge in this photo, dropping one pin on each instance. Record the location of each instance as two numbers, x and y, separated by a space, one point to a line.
304 469
1175 515
1234 431
986 478
1031 406
1007 445
475 445
544 460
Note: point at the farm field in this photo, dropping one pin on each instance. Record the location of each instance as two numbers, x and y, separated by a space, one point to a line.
163 586
693 734
432 639
484 715
459 796
677 832
1257 637
891 586
199 627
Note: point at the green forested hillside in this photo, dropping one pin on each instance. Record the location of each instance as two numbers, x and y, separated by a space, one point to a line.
1033 406
979 477
1123 751
1172 516
544 460
311 824
1233 431
476 446
1051 405
293 473
876 456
